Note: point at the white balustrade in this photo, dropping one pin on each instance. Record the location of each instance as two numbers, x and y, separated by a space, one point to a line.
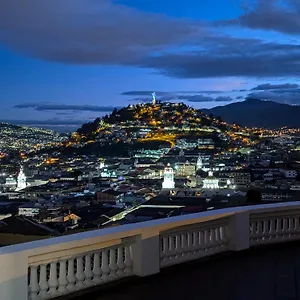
192 243
54 267
274 227
78 273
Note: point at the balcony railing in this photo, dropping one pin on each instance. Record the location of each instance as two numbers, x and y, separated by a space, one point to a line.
59 266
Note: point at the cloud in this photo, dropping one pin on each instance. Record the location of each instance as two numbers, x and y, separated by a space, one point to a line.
228 56
280 96
269 86
223 99
275 15
106 32
65 107
89 31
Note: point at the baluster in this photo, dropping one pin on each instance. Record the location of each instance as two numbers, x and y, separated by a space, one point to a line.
128 261
259 227
183 247
195 241
120 261
71 276
212 236
97 269
177 243
33 286
43 283
206 239
272 227
251 228
53 282
284 226
190 241
79 274
88 270
223 233
290 225
112 263
164 245
297 224
266 228
218 235
201 240
62 280
104 267
171 249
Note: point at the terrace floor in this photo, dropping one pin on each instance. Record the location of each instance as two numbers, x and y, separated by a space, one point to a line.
263 273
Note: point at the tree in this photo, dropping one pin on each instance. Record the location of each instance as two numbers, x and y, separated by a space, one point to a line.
253 196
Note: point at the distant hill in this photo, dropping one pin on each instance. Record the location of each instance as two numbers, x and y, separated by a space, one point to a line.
16 137
258 113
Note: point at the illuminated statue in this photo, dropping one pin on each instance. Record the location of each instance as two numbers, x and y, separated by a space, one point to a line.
153 98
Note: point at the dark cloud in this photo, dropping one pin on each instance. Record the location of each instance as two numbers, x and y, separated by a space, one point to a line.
223 99
280 96
89 31
65 107
105 32
227 56
197 98
269 86
275 15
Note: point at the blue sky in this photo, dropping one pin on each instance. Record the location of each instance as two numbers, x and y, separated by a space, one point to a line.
65 62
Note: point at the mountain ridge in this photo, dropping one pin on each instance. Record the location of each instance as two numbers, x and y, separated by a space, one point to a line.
258 113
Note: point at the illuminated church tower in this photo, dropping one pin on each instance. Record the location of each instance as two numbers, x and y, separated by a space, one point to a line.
168 182
21 181
199 163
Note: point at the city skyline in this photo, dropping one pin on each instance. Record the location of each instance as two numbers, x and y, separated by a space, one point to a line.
65 63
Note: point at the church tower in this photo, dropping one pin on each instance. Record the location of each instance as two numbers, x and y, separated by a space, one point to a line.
199 163
22 180
168 182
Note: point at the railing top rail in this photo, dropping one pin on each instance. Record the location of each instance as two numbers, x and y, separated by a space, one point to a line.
145 228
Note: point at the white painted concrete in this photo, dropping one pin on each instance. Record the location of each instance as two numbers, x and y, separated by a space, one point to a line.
139 249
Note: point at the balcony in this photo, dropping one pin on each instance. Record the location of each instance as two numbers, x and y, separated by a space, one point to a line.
71 265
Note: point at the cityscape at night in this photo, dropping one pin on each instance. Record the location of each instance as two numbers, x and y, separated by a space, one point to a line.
137 136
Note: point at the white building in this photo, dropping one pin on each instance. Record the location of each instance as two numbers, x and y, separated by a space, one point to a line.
10 182
28 210
199 163
168 182
211 182
22 180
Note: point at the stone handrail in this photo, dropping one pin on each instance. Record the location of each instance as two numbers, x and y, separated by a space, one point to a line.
53 267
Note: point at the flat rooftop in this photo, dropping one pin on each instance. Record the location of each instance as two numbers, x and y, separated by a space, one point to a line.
262 273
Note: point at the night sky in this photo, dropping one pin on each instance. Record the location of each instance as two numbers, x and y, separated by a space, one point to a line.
66 62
